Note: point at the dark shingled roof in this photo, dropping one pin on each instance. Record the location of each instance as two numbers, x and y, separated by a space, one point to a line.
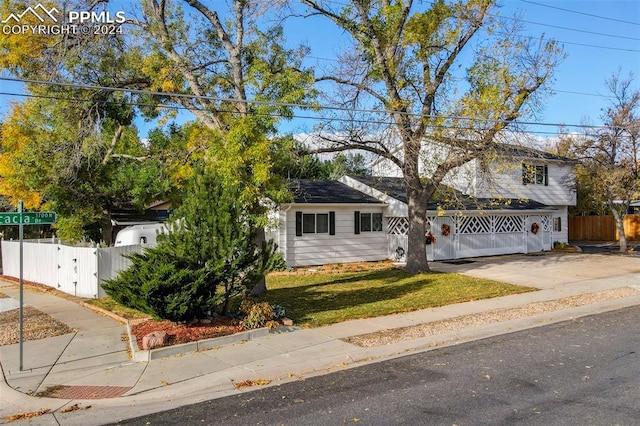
328 192
449 199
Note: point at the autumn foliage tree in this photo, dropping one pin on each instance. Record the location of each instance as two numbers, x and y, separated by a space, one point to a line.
220 61
609 172
71 146
448 72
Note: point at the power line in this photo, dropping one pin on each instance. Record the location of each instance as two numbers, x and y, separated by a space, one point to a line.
599 47
579 31
584 94
581 13
277 104
499 17
272 114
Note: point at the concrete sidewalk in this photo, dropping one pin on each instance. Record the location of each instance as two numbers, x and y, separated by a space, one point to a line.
94 361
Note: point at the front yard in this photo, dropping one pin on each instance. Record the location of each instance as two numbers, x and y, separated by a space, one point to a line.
320 299
316 299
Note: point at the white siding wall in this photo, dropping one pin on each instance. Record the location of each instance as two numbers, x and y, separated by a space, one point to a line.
507 182
503 180
562 235
386 168
344 246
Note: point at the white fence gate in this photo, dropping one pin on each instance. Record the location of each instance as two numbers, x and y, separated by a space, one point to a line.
74 270
474 236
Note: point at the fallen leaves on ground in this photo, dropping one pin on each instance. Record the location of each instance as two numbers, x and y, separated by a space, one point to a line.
74 407
249 383
30 415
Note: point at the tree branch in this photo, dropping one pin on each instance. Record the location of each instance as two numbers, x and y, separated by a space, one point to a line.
114 141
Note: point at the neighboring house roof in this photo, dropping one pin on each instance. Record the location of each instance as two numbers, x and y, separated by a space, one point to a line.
328 192
509 150
451 199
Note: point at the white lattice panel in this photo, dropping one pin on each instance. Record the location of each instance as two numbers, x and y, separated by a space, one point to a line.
398 225
547 223
474 225
508 224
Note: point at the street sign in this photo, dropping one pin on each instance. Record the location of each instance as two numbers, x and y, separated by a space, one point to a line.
29 218
21 218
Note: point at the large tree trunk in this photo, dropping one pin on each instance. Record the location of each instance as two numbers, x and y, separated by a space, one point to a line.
260 287
619 219
416 250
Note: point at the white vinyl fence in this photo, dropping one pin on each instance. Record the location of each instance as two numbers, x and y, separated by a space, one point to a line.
74 270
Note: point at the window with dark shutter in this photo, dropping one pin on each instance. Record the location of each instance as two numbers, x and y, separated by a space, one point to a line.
535 175
557 224
322 223
376 221
315 223
309 223
365 222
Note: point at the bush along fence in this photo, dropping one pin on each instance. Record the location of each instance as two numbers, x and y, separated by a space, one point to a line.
74 270
603 228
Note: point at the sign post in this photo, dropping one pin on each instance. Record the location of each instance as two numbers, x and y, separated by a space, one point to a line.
21 319
21 218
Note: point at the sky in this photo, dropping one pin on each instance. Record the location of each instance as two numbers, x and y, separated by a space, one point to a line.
599 37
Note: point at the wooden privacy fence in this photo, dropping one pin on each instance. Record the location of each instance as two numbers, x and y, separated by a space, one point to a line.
74 270
602 228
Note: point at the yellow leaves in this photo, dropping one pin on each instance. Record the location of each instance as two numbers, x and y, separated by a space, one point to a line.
29 415
168 86
162 73
17 139
249 383
25 51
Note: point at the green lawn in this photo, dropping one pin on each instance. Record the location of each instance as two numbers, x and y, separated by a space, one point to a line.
321 299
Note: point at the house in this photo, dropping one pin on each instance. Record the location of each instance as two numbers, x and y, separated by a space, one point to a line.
330 222
523 209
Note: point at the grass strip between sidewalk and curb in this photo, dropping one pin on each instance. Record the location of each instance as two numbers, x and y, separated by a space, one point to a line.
395 335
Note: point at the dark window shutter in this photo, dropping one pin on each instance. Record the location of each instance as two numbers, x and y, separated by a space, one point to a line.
525 176
546 175
356 220
332 223
298 224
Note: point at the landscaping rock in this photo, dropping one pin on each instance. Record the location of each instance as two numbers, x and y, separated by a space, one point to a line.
153 340
287 321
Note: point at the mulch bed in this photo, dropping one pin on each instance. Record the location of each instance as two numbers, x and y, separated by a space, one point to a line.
36 325
185 333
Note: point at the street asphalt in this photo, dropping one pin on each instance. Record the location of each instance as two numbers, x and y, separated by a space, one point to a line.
98 381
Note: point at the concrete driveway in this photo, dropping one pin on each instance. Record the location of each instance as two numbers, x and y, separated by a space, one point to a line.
551 270
608 247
